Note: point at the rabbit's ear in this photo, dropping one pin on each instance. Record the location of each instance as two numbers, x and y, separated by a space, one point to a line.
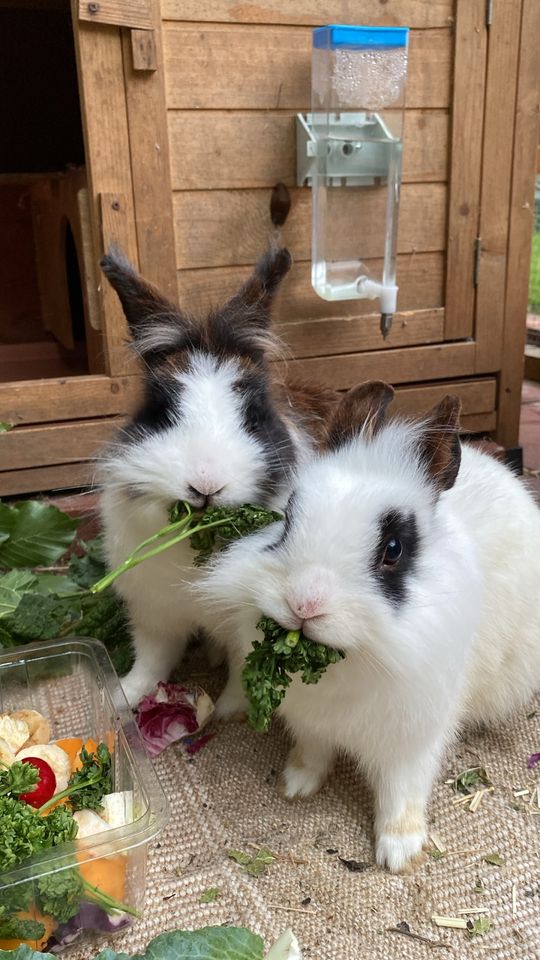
361 411
440 448
156 324
254 299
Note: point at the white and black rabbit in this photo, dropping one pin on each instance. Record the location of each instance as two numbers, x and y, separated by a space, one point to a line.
425 573
215 426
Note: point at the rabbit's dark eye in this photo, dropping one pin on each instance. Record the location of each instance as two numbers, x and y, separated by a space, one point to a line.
392 552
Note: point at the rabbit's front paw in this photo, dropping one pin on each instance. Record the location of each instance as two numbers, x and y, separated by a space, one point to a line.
304 774
231 705
400 852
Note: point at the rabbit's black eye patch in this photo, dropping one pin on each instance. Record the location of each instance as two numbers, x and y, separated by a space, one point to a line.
395 554
158 410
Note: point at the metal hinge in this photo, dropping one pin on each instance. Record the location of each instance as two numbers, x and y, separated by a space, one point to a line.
489 12
477 260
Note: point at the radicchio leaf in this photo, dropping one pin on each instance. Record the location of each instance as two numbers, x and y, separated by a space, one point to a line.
170 713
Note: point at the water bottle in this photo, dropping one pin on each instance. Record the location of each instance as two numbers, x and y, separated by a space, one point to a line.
356 129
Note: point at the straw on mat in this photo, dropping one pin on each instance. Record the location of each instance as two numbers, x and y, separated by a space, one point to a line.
225 798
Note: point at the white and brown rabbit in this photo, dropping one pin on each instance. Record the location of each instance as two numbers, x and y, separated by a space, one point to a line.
215 426
425 572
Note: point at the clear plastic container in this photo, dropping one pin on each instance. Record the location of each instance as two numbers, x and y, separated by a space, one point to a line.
73 684
358 99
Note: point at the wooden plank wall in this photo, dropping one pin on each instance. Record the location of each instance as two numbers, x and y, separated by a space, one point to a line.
236 75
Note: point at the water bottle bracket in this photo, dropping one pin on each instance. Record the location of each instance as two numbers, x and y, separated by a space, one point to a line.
334 144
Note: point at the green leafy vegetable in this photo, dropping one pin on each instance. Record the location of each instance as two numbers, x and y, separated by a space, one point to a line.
468 781
478 927
24 831
5 427
223 525
268 668
231 523
34 534
494 859
89 783
59 894
13 928
12 587
208 943
254 864
210 895
18 778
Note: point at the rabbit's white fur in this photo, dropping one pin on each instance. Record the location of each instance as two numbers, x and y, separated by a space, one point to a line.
206 447
462 647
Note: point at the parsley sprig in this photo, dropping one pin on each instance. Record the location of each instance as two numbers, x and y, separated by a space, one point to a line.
89 784
213 528
18 778
269 667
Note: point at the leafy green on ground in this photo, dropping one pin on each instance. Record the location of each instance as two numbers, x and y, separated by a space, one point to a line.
269 667
208 943
478 927
255 864
470 780
40 604
210 895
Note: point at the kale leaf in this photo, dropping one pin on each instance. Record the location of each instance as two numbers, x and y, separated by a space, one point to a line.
234 523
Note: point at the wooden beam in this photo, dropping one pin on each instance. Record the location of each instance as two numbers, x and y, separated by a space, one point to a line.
217 228
418 14
119 13
239 66
107 149
67 398
521 227
150 166
465 165
407 365
216 151
42 479
500 106
38 446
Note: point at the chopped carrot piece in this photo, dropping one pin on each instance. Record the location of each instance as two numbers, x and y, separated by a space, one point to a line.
106 873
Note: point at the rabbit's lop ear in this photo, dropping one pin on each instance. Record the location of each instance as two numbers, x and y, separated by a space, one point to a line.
440 448
361 411
156 324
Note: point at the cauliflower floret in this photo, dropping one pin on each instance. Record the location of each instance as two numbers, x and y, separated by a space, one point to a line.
39 727
118 808
57 759
14 732
6 753
89 823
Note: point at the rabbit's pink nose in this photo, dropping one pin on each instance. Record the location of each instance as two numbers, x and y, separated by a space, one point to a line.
204 488
305 609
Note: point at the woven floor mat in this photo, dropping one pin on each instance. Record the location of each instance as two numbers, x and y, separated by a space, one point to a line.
225 798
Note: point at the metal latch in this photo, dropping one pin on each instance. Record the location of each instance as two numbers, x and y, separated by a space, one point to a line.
354 152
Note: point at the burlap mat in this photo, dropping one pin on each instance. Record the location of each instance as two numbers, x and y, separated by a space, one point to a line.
225 798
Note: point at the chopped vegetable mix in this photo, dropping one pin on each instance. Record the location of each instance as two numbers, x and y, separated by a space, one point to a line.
35 817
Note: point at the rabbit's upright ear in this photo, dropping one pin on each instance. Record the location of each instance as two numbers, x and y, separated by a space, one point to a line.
440 448
361 411
156 324
254 299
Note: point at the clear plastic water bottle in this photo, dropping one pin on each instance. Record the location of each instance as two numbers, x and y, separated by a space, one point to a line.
358 99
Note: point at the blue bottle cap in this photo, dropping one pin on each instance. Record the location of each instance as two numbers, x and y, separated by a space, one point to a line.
341 36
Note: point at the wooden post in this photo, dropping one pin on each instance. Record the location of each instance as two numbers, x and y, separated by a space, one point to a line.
521 227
